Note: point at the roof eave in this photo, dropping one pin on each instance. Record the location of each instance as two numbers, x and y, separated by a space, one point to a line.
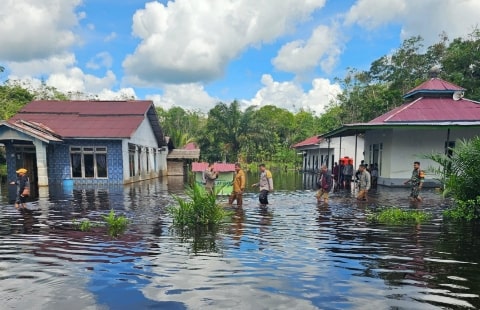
354 129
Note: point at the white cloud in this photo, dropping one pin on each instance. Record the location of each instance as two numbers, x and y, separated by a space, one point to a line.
103 59
291 96
322 49
22 21
190 41
188 96
60 72
427 18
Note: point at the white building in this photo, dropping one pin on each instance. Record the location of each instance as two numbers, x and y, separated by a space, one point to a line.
433 119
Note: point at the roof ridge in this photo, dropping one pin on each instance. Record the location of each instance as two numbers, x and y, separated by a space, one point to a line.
402 109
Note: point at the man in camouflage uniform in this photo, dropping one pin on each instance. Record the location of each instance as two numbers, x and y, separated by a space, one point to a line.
416 181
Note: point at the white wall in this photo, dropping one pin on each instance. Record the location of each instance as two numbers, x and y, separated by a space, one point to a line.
338 147
403 146
145 138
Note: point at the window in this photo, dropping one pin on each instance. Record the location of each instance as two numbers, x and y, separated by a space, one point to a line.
88 162
131 159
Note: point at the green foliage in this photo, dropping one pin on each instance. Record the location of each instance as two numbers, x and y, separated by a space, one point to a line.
395 215
84 225
201 209
12 99
460 170
464 210
116 224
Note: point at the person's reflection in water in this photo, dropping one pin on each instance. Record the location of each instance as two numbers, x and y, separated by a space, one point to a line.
264 224
324 213
28 221
237 226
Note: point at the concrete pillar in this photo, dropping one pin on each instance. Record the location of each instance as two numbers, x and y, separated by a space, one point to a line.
42 169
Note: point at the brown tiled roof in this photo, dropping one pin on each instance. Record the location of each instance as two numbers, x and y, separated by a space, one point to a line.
90 119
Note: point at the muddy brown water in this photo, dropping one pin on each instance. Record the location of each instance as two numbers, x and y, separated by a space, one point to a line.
294 255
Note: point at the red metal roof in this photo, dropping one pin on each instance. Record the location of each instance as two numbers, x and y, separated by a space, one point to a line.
435 85
432 110
86 119
220 167
309 141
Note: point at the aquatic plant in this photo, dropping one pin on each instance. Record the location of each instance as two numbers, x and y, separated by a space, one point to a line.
83 225
116 225
464 210
394 215
201 208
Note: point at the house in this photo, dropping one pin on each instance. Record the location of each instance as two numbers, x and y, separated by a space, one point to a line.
85 142
179 160
434 118
317 150
225 175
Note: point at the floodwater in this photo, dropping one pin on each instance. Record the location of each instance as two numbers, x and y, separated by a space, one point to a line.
294 255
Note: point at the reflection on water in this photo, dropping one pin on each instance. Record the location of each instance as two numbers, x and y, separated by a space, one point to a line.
294 255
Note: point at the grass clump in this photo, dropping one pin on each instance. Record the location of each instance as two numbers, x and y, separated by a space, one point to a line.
396 215
116 225
199 209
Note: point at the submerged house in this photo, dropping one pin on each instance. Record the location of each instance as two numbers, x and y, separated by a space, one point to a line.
85 142
318 150
434 117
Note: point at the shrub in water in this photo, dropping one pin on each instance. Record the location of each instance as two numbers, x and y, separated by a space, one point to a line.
116 224
200 209
464 210
399 216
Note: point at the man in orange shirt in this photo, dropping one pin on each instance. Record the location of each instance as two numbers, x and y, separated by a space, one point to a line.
238 186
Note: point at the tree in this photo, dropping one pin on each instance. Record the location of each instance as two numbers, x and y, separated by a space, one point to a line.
12 99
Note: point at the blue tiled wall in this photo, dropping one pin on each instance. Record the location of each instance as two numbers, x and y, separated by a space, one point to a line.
59 162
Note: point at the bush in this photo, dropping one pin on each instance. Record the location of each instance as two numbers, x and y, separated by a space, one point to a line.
464 210
200 209
460 172
116 225
399 216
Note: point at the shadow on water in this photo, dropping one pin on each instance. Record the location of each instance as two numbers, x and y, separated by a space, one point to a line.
295 254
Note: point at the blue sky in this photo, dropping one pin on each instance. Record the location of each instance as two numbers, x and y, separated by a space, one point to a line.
194 54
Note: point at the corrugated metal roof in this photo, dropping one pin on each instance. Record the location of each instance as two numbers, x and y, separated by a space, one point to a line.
91 119
434 85
309 141
432 110
220 167
184 154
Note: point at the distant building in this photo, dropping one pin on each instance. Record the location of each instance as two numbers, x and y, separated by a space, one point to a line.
434 118
225 175
318 150
85 142
179 160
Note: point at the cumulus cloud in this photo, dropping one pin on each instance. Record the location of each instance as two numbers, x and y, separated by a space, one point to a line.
291 96
21 21
322 49
427 18
188 96
191 41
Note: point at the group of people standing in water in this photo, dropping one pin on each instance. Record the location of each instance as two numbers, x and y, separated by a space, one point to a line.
264 184
364 179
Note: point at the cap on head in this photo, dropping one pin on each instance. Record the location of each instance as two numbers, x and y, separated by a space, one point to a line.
22 170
